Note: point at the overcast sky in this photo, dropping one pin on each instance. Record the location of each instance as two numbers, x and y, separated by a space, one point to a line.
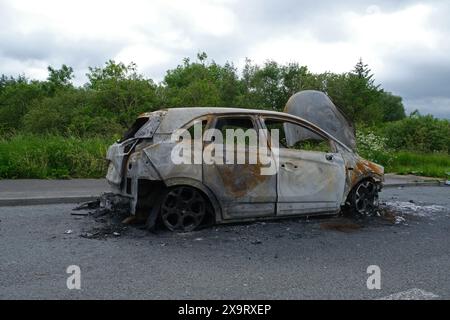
405 43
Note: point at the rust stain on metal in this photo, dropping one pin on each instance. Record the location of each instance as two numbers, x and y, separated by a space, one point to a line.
365 168
240 179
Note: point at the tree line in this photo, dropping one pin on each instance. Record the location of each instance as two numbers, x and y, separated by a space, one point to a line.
116 93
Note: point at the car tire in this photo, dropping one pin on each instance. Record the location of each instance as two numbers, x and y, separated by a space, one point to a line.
364 198
182 208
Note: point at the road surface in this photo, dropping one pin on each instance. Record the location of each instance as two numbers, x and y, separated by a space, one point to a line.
315 258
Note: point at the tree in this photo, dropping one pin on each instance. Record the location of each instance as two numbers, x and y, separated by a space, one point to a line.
360 99
362 71
271 85
200 84
60 78
392 106
419 133
116 93
16 97
112 71
121 92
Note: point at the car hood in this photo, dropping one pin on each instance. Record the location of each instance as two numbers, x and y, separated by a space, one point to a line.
317 108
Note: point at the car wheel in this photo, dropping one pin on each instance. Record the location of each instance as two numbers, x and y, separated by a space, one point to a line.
182 209
364 198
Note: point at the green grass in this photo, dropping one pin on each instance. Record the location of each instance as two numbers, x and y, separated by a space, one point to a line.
430 164
52 157
56 157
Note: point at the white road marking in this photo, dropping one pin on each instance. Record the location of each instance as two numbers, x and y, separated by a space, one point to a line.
411 294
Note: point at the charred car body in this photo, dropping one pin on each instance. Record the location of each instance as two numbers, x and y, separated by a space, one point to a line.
318 169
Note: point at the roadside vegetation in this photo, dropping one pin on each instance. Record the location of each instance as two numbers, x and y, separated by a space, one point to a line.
52 156
53 129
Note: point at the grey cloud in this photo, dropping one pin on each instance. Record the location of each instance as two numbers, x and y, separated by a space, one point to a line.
437 106
50 47
422 78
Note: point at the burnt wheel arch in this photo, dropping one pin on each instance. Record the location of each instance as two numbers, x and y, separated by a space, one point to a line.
181 208
362 200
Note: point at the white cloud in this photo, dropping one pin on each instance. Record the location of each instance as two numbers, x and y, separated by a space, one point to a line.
307 50
145 56
35 69
371 34
147 32
406 43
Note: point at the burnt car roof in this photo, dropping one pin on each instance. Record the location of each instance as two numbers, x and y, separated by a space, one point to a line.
176 118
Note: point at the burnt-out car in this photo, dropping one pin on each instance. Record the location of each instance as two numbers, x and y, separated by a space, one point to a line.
312 166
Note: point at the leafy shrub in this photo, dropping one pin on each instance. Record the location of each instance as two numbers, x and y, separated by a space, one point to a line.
28 156
373 147
418 133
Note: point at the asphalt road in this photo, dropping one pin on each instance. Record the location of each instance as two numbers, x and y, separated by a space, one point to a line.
319 258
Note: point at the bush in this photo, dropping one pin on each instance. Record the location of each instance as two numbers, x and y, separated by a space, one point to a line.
418 133
373 147
27 156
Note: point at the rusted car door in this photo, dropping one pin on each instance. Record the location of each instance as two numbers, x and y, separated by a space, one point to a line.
240 188
311 174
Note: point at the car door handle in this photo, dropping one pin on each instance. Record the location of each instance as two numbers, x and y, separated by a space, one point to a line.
289 166
329 157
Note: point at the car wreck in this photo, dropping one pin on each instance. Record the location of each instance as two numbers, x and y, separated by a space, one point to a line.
317 169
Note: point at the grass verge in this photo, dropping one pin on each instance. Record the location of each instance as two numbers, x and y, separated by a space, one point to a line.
57 157
52 157
430 164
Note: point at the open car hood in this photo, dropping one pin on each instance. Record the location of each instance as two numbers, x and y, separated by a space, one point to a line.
317 108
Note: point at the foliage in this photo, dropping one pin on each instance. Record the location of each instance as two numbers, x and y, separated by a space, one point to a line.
16 96
360 99
30 156
270 86
44 125
422 164
200 84
419 133
59 79
118 93
374 147
50 157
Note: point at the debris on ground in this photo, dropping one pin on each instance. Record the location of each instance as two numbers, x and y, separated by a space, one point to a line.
133 219
79 213
387 214
108 211
88 205
412 208
111 219
340 224
398 212
100 212
399 219
107 203
87 235
68 231
104 232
